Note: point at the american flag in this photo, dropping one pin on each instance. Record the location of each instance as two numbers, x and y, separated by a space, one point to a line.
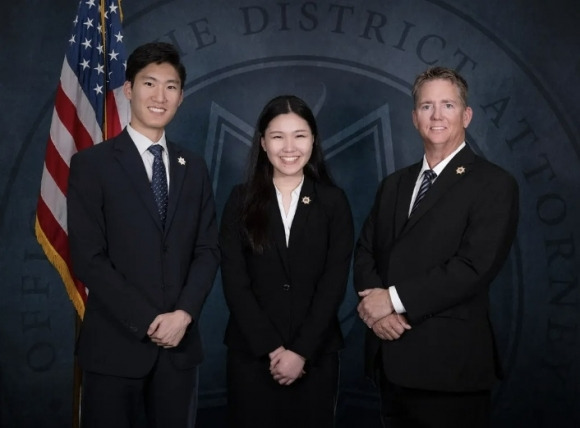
89 107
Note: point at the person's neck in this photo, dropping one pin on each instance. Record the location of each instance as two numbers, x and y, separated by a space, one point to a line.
152 134
435 155
287 184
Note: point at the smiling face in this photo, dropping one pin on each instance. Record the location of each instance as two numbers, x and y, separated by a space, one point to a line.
155 95
440 116
288 142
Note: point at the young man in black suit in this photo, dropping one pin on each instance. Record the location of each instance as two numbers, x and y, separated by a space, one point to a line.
143 239
436 237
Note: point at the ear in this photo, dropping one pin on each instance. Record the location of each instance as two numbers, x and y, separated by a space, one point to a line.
263 143
127 90
467 115
180 98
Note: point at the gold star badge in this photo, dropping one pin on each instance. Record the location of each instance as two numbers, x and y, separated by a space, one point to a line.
460 170
306 200
181 160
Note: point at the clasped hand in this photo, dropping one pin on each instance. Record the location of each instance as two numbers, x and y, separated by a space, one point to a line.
377 312
375 304
286 366
168 329
391 327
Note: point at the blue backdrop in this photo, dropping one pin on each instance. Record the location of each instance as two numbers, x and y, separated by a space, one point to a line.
354 62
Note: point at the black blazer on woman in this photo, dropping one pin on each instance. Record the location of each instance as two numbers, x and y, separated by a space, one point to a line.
288 296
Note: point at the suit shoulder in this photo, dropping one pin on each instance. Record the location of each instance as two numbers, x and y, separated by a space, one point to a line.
493 172
238 191
187 154
332 199
395 176
195 165
95 152
329 193
232 209
236 196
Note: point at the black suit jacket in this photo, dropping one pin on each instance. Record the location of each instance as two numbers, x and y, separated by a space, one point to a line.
442 260
133 267
288 296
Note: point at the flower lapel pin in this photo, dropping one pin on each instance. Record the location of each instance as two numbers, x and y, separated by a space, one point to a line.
306 200
181 160
460 170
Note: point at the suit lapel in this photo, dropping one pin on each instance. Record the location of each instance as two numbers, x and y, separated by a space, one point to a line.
177 169
131 162
404 193
277 231
306 201
455 171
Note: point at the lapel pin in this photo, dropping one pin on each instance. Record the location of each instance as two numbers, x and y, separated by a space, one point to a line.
181 160
306 200
460 170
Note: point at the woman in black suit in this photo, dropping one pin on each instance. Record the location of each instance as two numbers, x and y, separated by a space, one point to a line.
286 238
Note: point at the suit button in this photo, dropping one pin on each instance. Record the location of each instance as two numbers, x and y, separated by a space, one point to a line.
286 287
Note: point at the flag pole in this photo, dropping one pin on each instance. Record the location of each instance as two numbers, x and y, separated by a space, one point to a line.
77 381
77 372
89 107
106 84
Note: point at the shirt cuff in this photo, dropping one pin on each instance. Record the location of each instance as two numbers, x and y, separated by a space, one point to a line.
396 301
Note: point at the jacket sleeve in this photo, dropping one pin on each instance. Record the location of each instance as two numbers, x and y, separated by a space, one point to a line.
89 251
365 273
254 324
206 254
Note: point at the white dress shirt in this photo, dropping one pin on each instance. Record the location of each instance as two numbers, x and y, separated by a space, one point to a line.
142 143
288 218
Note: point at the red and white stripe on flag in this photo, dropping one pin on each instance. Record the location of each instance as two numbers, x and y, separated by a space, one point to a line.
89 107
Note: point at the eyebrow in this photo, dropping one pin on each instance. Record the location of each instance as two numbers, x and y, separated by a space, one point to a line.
445 101
297 130
148 77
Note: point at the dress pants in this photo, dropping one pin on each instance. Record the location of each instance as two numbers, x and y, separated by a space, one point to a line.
416 408
164 398
256 400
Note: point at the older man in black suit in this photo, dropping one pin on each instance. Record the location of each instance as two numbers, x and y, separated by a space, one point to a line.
143 238
436 237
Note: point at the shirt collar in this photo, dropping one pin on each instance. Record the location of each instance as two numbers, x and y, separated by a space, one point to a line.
438 169
295 192
142 142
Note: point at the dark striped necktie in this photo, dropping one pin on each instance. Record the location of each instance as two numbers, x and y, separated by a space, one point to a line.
428 177
159 181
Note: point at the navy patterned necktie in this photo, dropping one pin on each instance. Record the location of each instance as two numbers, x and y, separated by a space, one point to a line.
159 181
428 177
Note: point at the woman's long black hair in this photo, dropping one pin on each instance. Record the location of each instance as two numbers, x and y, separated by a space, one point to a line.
259 184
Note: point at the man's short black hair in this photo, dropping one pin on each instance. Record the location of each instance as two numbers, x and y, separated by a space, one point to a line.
155 52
